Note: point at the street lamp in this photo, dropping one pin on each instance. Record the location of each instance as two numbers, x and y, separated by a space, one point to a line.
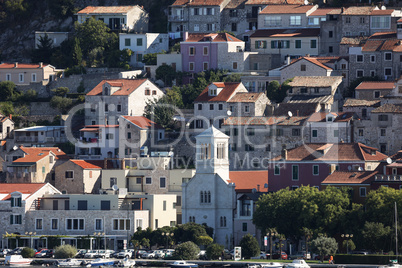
271 234
30 237
167 238
347 236
104 238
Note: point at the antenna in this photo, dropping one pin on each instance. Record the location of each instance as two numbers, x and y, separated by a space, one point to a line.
389 161
115 187
229 113
254 190
290 114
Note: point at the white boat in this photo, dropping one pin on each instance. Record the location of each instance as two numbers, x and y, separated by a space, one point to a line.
183 264
298 264
100 262
267 265
69 262
16 260
126 262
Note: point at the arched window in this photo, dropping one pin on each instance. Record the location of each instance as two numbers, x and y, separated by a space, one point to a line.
189 219
205 197
224 221
209 197
202 197
193 219
221 221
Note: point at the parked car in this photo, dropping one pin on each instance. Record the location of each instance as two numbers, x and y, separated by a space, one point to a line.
227 255
90 254
139 253
148 255
104 254
159 254
81 253
301 255
42 253
4 252
16 251
168 252
280 255
261 256
125 253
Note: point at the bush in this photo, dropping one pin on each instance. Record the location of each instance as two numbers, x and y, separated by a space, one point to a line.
65 251
214 251
186 251
249 246
28 253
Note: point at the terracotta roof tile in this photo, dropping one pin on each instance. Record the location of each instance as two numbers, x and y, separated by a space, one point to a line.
382 12
361 103
198 2
286 9
321 11
389 108
246 97
383 35
34 154
345 117
306 32
274 2
400 20
358 10
224 95
235 4
297 109
265 121
129 85
350 177
142 122
370 85
211 37
337 152
24 188
245 181
106 9
313 60
21 66
315 81
355 41
85 165
180 2
319 117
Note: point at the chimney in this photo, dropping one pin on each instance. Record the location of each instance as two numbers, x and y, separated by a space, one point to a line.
284 154
40 64
15 64
185 36
11 116
287 60
123 163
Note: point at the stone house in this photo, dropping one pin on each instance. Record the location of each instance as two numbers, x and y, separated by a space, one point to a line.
138 136
130 18
16 199
78 177
6 127
248 104
362 108
40 136
382 130
330 127
311 163
286 16
372 90
33 164
211 106
255 140
142 44
113 98
26 73
286 42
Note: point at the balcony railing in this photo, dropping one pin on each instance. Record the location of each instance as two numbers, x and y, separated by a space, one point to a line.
388 177
176 18
251 15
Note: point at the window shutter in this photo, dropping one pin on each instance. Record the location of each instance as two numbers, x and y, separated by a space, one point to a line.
205 11
12 202
256 44
213 26
272 44
264 44
192 11
11 219
213 11
19 201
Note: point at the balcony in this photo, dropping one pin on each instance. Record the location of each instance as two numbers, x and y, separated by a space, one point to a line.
176 18
252 15
20 176
388 177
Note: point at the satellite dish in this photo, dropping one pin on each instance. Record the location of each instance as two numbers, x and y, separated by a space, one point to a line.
15 147
266 185
360 169
389 160
254 190
349 168
290 114
229 113
115 187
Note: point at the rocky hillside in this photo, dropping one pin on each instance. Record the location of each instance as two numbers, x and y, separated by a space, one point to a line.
20 19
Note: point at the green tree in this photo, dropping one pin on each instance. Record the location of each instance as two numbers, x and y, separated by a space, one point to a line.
190 232
77 52
145 242
28 253
166 73
376 236
60 91
7 90
150 59
65 251
214 251
249 246
204 240
44 51
348 245
186 251
273 89
62 104
324 246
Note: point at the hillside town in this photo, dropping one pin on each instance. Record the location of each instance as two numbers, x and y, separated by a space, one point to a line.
293 94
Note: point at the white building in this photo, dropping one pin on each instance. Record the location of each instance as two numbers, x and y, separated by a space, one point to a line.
209 197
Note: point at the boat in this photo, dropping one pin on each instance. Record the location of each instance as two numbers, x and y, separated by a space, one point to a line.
100 262
267 265
183 264
300 263
69 262
126 262
16 260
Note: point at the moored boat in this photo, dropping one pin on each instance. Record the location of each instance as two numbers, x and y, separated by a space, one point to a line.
183 264
16 260
126 262
100 262
69 262
298 264
267 265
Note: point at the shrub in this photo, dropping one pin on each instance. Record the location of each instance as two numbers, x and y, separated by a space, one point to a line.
249 246
186 251
65 251
214 251
28 253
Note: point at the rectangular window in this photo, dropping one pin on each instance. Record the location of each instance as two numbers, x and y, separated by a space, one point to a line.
234 26
315 170
248 148
191 66
211 107
298 44
383 132
109 136
98 224
377 94
139 42
244 226
260 44
314 133
296 132
234 65
39 224
347 19
148 180
303 67
380 22
75 224
69 174
362 20
382 117
191 51
372 58
121 224
205 51
162 182
164 205
336 133
277 170
250 132
8 77
21 78
82 205
362 191
55 204
313 43
105 204
55 224
387 71
295 173
313 21
295 20
205 66
272 21
127 42
359 58
330 34
196 27
387 56
220 107
359 73
33 78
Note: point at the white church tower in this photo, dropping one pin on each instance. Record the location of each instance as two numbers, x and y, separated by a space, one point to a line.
209 197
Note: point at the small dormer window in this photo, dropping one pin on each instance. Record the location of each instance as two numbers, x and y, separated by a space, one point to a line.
16 201
107 91
330 119
212 92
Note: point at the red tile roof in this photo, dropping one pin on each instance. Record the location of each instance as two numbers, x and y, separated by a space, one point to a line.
271 33
24 188
235 4
245 181
361 103
355 41
383 35
286 9
370 85
400 20
265 121
315 81
106 9
225 94
388 108
382 12
85 165
246 97
274 2
34 154
142 122
337 152
128 86
211 37
358 10
21 66
321 11
319 117
313 60
198 2
350 177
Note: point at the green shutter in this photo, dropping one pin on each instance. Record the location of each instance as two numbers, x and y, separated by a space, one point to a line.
272 44
12 202
256 44
264 44
11 219
19 201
